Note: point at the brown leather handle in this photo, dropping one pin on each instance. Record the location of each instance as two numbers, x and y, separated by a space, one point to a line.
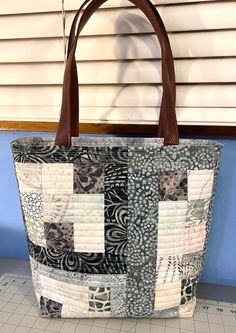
68 125
72 36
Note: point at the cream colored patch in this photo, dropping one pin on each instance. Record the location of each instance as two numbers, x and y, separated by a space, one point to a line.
29 176
70 295
200 184
77 208
171 224
187 310
89 237
167 295
57 178
35 278
194 238
168 269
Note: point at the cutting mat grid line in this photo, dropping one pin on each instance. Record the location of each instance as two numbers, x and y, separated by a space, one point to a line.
19 314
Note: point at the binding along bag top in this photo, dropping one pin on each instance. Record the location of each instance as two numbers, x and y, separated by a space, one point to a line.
116 227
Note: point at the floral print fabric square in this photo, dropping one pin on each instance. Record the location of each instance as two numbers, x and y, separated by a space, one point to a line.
59 236
88 178
116 227
197 212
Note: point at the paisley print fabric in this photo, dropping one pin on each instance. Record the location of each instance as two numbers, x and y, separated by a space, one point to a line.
142 239
116 214
116 227
91 263
88 178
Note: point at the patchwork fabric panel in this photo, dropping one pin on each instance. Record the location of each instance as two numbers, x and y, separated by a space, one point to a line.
116 227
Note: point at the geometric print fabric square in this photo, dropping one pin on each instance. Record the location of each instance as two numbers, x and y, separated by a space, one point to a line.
172 185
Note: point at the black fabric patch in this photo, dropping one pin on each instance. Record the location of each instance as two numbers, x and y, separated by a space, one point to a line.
39 151
188 290
116 176
116 209
90 263
50 308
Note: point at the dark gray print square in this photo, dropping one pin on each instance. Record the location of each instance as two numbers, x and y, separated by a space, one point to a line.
88 178
173 185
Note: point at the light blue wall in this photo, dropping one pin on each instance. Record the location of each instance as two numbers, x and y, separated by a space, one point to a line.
220 265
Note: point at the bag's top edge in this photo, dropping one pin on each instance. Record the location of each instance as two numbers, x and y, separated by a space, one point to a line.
111 141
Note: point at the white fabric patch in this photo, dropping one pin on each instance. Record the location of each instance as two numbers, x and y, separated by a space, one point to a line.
35 231
200 184
89 233
70 295
194 238
187 310
167 295
171 224
35 278
77 208
32 207
69 311
89 237
168 269
29 176
57 178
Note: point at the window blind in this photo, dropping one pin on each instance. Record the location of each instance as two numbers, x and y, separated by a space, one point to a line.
119 61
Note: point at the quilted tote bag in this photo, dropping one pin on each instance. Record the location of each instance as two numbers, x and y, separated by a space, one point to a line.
116 227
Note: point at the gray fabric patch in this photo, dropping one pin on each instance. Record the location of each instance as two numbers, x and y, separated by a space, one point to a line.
142 236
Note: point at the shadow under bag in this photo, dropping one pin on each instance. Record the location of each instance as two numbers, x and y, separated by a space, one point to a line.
116 227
